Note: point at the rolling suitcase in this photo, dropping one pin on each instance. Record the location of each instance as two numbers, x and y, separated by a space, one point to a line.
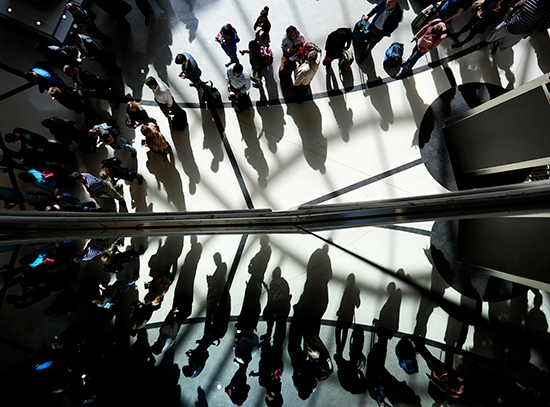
241 102
178 118
424 17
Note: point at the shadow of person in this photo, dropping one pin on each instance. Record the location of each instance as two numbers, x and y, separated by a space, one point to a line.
168 374
212 139
380 99
273 124
342 114
427 305
271 86
504 61
201 398
351 299
351 373
310 358
388 318
184 12
540 41
167 175
250 310
186 157
417 104
253 152
307 117
167 254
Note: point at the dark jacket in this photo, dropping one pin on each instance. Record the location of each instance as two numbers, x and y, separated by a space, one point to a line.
393 19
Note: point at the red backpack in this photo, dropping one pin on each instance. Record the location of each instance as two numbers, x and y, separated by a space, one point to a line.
267 55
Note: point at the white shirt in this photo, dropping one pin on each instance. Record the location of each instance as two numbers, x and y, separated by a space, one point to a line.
162 93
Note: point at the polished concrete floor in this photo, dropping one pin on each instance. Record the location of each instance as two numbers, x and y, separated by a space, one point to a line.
359 144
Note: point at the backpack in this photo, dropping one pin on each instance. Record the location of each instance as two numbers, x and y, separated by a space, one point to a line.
346 59
424 17
267 55
48 174
115 161
394 55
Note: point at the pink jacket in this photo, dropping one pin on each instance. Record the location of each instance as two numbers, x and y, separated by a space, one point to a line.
428 41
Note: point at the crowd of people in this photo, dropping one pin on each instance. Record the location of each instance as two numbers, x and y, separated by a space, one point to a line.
50 165
90 361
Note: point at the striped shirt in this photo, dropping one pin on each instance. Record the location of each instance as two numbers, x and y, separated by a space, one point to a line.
94 186
527 15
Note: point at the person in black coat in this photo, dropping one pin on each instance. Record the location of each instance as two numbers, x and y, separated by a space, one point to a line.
88 83
56 56
337 42
386 17
89 49
68 203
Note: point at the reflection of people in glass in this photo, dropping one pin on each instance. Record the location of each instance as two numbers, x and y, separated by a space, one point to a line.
310 358
271 360
351 373
350 300
218 309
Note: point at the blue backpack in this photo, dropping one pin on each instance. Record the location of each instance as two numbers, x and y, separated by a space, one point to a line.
394 55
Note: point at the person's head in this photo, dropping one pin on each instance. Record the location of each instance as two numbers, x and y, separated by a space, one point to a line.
132 106
264 13
70 70
476 5
76 177
146 130
390 4
253 46
180 59
151 82
291 32
49 123
31 76
11 138
105 172
237 70
54 92
26 177
228 30
72 8
312 56
438 28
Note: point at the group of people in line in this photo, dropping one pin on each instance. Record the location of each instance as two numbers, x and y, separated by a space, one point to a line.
300 58
83 350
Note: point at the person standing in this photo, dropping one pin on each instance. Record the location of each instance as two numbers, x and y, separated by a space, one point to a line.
238 81
136 115
162 95
385 19
306 70
44 79
189 68
228 39
263 23
112 168
155 140
292 45
83 18
89 49
427 39
88 83
526 17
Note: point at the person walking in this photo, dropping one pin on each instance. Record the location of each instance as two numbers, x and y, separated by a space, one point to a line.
94 187
306 70
228 39
427 39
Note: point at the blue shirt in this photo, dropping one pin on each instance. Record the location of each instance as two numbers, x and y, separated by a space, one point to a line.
241 82
94 185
